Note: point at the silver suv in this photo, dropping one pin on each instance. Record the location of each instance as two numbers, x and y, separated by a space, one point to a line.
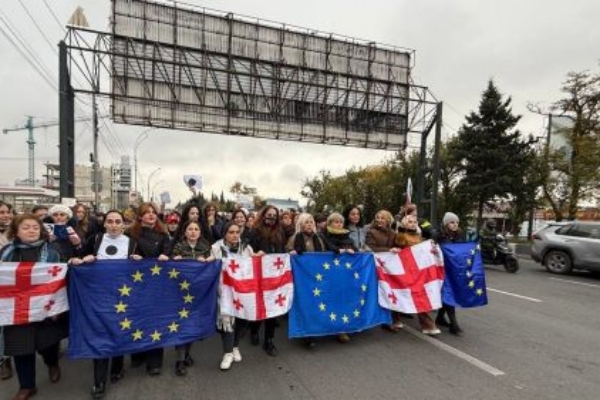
562 247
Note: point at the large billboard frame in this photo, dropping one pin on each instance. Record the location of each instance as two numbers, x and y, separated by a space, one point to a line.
156 74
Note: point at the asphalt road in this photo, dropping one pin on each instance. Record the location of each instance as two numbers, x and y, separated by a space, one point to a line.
537 339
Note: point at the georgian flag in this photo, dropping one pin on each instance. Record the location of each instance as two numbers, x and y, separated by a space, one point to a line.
31 292
411 281
257 288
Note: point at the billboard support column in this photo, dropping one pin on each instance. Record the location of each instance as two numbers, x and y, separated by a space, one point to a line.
66 109
435 176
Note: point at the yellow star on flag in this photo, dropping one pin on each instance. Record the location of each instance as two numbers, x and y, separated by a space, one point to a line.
332 316
184 313
319 277
479 292
185 285
125 324
173 274
322 306
174 327
348 265
356 275
137 335
345 319
469 261
155 270
137 277
336 262
188 298
362 302
326 266
469 274
121 307
317 292
473 251
356 313
125 290
156 335
364 287
471 284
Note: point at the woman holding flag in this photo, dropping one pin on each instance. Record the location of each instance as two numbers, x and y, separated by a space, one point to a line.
231 328
29 243
381 237
191 246
152 241
450 233
267 237
112 245
409 234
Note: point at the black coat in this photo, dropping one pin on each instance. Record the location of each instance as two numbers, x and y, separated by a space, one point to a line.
151 244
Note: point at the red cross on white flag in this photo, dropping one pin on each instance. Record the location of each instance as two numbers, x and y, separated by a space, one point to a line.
256 288
31 292
411 281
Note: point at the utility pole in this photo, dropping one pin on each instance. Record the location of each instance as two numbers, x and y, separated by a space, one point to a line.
95 164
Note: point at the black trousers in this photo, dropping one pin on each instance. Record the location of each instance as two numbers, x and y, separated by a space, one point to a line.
270 324
101 368
25 365
153 358
451 311
232 339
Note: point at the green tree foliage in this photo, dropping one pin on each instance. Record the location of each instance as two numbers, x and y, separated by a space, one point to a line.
573 174
489 150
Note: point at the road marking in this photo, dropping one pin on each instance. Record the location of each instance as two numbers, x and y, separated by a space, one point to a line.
514 295
455 352
575 282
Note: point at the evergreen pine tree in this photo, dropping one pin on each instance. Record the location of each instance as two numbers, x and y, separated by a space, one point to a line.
489 150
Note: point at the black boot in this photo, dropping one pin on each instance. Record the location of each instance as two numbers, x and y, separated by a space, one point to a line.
116 376
180 369
98 390
455 329
440 319
270 348
188 360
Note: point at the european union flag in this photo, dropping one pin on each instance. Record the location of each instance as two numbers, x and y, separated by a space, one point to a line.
334 293
125 306
464 282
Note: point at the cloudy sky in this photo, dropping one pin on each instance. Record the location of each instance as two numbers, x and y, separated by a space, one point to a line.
527 47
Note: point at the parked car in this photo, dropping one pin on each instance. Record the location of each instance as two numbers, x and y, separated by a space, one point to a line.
562 247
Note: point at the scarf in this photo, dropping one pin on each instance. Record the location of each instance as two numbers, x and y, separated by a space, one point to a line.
9 251
300 243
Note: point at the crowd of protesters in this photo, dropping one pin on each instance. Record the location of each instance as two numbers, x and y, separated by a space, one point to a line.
200 232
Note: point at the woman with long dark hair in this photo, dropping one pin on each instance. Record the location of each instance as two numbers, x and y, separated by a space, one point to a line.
152 242
267 237
190 246
354 223
112 245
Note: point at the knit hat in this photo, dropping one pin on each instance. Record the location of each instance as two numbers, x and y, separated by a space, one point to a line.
449 217
60 208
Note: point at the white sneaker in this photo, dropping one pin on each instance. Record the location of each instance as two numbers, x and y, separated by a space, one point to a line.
237 356
227 360
431 332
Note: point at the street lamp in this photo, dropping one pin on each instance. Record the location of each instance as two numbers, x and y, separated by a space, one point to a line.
141 137
149 178
154 189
